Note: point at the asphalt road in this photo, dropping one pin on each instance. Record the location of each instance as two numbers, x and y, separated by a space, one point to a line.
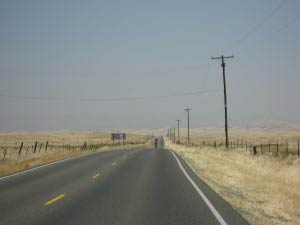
128 187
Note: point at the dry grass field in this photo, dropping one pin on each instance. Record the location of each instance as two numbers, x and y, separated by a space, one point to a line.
255 136
60 145
270 141
264 189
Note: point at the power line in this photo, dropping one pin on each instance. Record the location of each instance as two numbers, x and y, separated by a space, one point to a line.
260 24
117 99
284 27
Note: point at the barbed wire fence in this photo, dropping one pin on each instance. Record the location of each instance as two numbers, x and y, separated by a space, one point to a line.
269 147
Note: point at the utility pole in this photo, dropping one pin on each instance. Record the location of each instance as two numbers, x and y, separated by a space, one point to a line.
223 58
188 115
174 135
178 132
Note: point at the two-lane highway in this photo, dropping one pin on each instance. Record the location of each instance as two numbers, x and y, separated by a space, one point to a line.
149 186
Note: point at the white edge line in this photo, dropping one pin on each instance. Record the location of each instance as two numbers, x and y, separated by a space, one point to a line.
202 195
45 165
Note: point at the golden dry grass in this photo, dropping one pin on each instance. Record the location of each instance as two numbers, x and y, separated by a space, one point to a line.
59 150
264 189
73 138
255 136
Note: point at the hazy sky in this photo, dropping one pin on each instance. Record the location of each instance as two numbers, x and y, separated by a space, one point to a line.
54 54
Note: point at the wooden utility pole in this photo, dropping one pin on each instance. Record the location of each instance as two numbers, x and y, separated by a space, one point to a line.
178 132
174 136
188 115
225 94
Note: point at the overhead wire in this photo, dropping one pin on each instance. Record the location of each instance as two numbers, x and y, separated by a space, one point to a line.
284 27
114 99
259 25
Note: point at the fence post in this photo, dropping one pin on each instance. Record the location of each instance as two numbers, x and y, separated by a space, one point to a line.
40 147
287 147
35 145
20 150
46 146
277 147
84 146
269 148
26 151
254 150
298 149
5 151
246 146
4 154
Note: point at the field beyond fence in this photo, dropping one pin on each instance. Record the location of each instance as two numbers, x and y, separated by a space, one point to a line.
22 150
266 142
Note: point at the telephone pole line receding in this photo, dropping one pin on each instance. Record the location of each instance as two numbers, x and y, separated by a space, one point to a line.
174 137
178 133
188 115
225 95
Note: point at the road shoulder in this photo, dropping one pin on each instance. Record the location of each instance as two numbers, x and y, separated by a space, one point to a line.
224 208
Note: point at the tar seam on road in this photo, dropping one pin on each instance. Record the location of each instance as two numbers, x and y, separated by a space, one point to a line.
202 195
45 165
97 175
54 199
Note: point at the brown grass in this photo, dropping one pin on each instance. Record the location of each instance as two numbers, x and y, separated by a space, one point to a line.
73 138
255 136
264 189
14 162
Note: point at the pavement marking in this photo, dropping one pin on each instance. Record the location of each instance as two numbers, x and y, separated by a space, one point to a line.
114 163
54 199
97 175
202 195
45 165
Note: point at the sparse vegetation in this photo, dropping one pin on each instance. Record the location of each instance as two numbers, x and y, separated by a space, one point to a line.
265 190
44 147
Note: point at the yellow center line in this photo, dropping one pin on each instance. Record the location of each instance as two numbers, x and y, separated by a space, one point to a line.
114 163
97 175
54 199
